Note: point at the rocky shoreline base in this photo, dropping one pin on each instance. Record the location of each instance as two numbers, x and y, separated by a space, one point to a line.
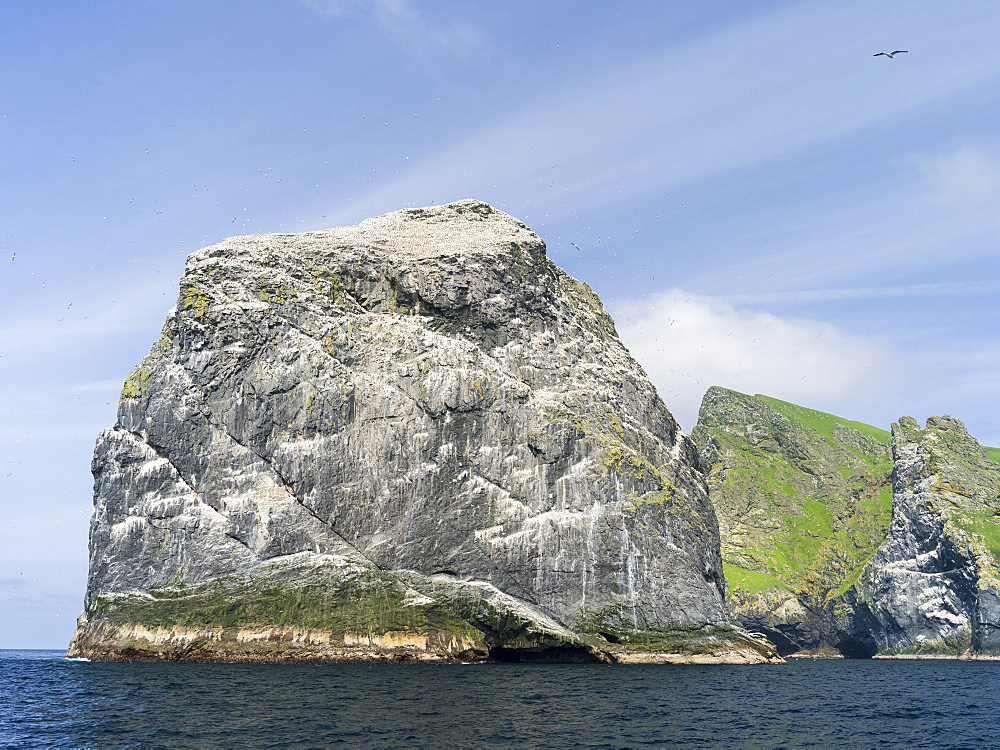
290 645
950 657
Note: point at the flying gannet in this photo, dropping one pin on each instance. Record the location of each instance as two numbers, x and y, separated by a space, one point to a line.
890 54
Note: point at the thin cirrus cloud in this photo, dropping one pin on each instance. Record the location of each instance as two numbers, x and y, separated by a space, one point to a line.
406 25
668 119
113 385
940 210
59 331
965 181
340 8
687 343
943 289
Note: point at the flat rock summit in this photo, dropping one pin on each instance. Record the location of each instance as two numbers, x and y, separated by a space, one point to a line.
411 439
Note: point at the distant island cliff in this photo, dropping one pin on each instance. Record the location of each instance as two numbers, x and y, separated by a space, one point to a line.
843 538
415 439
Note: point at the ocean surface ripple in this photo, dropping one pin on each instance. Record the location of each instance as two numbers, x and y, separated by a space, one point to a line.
49 701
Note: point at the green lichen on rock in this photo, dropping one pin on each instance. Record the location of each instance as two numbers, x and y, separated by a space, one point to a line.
614 626
196 300
330 284
137 384
278 294
622 458
473 207
584 300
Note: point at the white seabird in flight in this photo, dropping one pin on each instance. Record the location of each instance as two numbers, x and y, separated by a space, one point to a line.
890 54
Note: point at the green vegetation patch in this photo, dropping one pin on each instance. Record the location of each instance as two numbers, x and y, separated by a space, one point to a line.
985 526
365 602
955 644
825 424
195 300
822 422
793 516
749 582
613 624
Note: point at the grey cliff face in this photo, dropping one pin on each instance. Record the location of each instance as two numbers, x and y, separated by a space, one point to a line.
933 585
419 424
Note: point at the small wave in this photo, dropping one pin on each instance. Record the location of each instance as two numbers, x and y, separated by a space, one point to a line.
76 658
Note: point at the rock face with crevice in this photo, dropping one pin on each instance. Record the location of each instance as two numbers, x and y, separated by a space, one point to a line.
934 585
415 438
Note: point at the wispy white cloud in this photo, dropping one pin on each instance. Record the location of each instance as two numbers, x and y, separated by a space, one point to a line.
65 433
963 186
141 308
969 173
407 26
943 289
687 343
875 234
341 8
738 97
113 385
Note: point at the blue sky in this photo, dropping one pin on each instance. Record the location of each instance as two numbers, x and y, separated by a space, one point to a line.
759 201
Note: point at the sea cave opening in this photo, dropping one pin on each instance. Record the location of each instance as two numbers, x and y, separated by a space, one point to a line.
550 655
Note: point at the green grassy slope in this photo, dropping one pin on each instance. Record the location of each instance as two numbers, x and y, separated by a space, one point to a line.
803 497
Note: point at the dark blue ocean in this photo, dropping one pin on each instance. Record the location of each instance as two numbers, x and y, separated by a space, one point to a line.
47 701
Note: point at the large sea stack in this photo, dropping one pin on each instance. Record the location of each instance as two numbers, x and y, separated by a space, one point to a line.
411 439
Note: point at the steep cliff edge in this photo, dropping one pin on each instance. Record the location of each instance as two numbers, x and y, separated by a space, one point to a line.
803 500
833 544
934 584
415 438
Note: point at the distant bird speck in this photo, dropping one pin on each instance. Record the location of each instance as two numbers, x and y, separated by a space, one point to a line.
891 54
